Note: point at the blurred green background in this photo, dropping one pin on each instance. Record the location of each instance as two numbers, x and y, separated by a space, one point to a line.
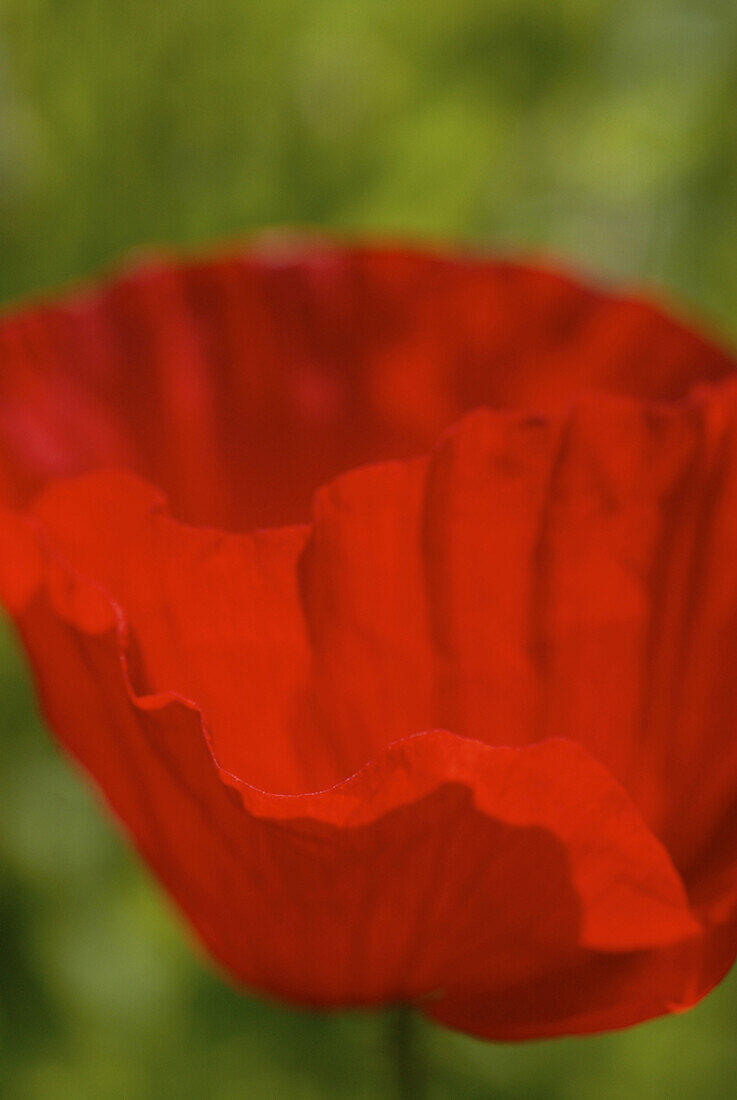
600 132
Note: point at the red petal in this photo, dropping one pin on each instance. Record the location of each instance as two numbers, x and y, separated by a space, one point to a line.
566 577
239 386
444 867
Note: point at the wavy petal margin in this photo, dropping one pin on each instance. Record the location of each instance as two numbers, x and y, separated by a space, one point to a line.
446 872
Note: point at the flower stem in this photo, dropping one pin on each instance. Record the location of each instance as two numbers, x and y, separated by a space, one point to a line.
405 1051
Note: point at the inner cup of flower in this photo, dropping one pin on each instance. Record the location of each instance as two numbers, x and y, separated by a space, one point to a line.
241 386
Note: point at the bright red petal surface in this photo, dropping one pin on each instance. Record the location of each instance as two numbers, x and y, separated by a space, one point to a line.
383 755
443 867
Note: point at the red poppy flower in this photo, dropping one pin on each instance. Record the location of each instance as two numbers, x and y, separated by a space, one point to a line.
462 734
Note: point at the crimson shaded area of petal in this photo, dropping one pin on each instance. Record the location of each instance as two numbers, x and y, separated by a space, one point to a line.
239 385
445 865
596 991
